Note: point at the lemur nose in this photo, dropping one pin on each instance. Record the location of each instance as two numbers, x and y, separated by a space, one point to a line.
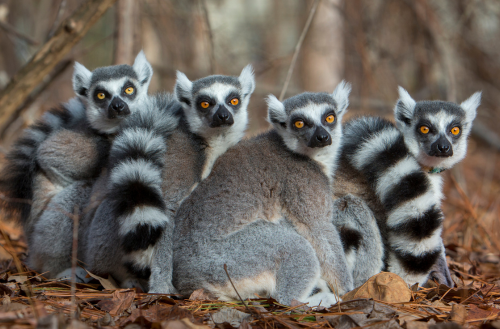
118 107
323 138
224 116
443 148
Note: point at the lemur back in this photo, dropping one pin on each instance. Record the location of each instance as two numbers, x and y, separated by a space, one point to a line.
266 211
151 174
25 181
405 194
71 156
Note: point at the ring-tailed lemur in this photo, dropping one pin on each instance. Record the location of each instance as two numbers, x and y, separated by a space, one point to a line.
67 151
265 211
360 235
151 174
401 166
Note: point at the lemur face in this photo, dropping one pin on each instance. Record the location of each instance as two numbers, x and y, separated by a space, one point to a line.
435 131
310 122
217 103
111 93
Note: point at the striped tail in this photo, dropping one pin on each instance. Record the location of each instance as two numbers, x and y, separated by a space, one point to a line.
20 170
135 188
410 196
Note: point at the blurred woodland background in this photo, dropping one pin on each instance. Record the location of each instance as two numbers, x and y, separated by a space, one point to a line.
445 49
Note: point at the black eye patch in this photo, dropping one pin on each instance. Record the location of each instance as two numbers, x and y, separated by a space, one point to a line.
307 123
127 85
202 101
97 92
428 124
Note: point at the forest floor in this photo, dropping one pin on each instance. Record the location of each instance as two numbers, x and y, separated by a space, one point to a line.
471 234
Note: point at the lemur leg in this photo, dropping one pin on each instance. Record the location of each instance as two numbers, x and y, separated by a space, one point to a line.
162 262
52 236
360 236
263 258
102 253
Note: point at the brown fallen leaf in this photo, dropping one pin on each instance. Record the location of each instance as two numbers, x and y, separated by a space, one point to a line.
416 325
229 315
8 307
181 324
18 278
155 313
478 314
201 294
385 286
458 314
108 283
122 299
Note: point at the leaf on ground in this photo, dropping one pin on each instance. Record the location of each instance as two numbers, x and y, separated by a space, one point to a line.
416 325
385 286
12 307
155 313
181 324
368 313
121 300
458 314
55 321
229 315
476 313
18 278
201 294
108 283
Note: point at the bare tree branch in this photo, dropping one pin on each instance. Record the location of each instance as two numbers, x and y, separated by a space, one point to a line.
60 12
297 48
52 52
12 31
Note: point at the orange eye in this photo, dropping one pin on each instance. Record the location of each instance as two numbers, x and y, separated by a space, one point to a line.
234 101
330 118
299 124
424 130
129 90
205 105
101 95
455 131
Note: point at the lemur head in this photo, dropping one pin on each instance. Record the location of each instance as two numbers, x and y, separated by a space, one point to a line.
111 93
216 104
435 131
310 123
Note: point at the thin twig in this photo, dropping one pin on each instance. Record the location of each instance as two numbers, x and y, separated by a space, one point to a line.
297 48
237 293
60 12
210 35
74 261
15 33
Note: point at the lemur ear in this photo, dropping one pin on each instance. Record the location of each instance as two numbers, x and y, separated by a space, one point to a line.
341 97
81 80
276 114
403 111
247 80
470 106
183 88
143 69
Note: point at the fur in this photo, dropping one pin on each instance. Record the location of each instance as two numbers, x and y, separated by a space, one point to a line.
406 198
163 166
69 154
266 212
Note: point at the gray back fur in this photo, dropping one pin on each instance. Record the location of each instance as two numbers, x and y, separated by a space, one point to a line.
256 189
